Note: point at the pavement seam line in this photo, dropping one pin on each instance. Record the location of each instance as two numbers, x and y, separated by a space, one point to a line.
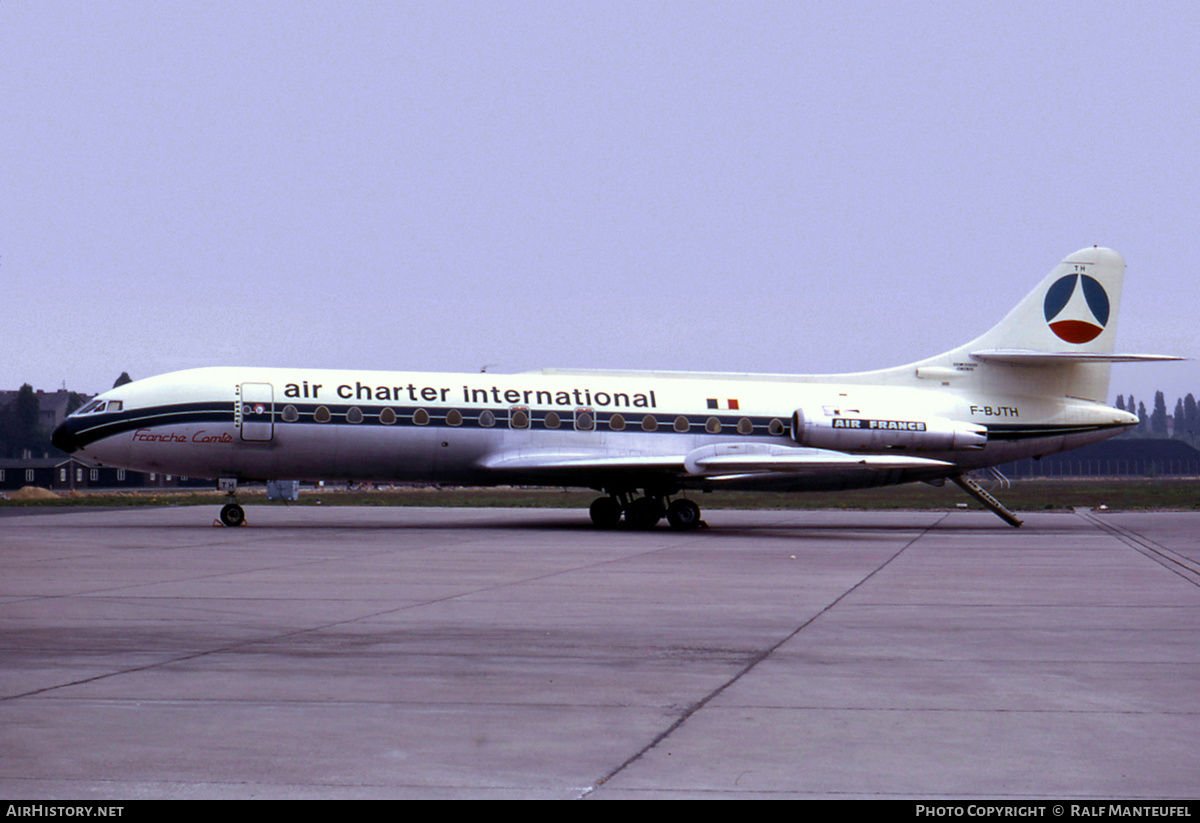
759 658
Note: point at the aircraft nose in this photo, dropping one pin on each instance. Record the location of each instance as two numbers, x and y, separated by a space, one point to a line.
64 438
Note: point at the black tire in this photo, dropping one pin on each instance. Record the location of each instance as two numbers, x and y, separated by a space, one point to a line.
644 513
683 515
605 512
232 514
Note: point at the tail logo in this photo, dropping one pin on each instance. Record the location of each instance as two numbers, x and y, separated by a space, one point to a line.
1076 308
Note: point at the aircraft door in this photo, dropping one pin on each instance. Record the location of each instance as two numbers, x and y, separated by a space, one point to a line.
256 411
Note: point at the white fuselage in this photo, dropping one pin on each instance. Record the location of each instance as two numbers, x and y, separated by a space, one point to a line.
591 429
1034 384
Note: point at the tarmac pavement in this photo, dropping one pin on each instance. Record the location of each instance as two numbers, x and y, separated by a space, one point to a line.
517 653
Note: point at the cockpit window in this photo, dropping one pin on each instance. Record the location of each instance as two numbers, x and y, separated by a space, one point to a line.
97 406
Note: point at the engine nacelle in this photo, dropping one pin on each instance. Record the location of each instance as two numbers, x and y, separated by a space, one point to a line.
856 432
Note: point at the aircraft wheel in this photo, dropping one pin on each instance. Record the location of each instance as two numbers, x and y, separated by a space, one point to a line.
644 513
232 514
605 512
683 515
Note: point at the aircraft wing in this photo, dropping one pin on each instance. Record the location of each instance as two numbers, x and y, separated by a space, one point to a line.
557 460
741 458
714 462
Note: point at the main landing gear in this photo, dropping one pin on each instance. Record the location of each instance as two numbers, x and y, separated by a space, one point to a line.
231 513
644 512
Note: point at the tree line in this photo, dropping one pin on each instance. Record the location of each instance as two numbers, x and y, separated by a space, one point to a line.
1184 423
21 429
21 426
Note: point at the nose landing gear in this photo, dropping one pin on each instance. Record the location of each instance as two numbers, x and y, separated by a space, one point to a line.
231 513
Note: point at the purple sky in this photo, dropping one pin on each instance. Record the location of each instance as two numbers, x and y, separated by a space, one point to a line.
775 187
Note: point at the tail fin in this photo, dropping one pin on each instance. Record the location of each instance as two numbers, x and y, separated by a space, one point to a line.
1058 341
1055 341
1074 309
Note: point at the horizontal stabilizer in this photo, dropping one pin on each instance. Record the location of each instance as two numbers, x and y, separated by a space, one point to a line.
1025 357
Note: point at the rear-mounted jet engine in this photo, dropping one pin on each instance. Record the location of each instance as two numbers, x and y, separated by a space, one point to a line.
856 432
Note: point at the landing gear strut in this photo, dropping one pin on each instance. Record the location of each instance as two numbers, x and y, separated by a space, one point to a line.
231 513
644 512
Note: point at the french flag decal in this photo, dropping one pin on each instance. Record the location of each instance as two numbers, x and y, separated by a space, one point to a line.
714 403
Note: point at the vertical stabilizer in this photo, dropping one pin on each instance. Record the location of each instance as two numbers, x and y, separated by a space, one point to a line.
1074 309
1056 342
1072 313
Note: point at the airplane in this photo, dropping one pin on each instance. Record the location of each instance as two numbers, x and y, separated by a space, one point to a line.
1033 385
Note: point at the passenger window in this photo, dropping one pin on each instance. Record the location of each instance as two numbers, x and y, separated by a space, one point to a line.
616 423
745 426
712 425
387 417
518 417
551 420
322 415
775 427
649 423
454 418
354 415
421 417
290 414
487 419
682 424
585 421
